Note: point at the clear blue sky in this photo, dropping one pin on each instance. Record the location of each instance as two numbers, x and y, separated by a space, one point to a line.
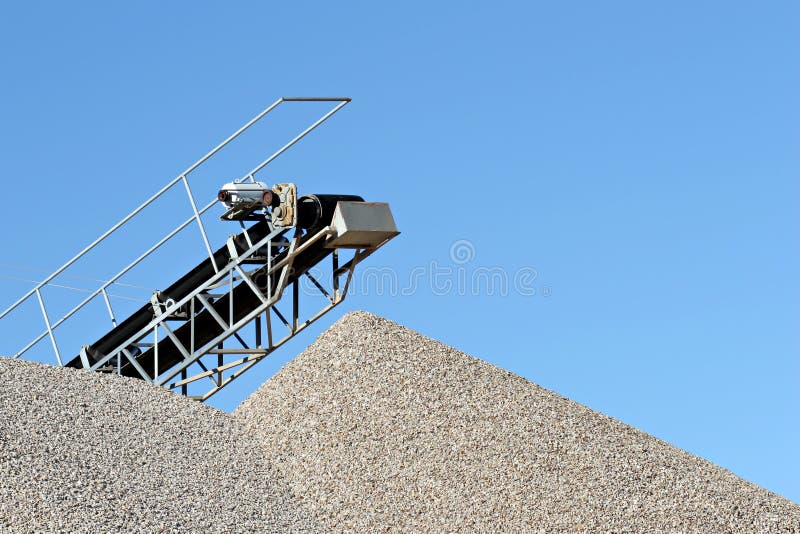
642 157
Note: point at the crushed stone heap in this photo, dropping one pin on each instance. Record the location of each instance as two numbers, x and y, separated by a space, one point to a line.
86 452
376 427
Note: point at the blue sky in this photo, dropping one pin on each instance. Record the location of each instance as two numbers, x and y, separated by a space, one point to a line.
640 158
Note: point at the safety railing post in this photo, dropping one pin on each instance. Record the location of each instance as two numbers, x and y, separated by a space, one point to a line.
200 224
49 328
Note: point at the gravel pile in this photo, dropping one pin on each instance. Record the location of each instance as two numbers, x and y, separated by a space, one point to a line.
84 452
378 428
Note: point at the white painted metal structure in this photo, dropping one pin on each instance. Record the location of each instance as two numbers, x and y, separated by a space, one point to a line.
186 342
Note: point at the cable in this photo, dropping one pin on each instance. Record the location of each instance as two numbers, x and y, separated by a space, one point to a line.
61 286
84 278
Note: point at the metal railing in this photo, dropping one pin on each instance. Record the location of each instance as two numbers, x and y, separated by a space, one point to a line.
36 292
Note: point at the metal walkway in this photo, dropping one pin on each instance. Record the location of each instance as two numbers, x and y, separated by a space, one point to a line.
195 336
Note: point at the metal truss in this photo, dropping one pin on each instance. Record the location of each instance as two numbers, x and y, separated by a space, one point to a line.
213 363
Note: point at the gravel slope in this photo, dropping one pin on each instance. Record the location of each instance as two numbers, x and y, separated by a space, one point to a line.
379 428
84 452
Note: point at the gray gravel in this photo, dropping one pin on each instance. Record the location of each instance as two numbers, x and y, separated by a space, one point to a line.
381 429
84 452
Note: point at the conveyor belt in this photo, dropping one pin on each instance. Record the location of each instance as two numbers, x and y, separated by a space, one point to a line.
314 216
